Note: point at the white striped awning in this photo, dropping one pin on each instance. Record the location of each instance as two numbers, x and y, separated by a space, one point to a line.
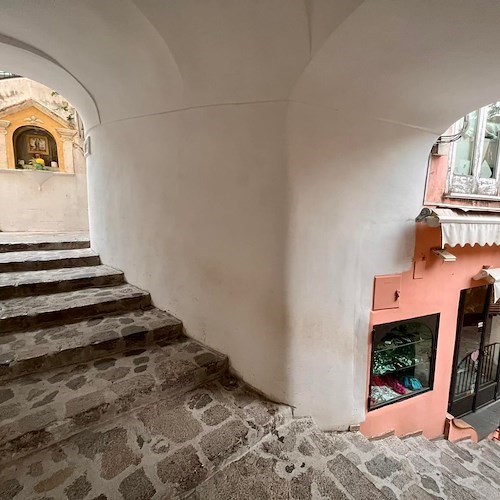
463 228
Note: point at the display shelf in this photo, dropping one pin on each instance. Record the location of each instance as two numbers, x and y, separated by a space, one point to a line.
400 349
425 361
409 394
393 347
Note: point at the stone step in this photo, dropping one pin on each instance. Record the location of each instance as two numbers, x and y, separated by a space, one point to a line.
49 348
491 445
424 471
489 451
470 480
20 242
59 308
299 461
433 481
387 464
24 283
47 259
39 410
160 451
476 464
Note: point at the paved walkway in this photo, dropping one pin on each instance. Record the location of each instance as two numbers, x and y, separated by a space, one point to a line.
485 420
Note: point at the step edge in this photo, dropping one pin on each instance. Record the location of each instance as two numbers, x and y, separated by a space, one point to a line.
169 331
160 394
21 323
24 290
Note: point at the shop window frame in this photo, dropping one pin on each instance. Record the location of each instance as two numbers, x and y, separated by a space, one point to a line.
477 183
430 320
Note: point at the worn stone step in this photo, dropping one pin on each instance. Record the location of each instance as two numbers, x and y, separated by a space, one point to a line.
386 464
24 283
299 461
39 410
464 479
19 242
477 465
60 308
47 259
52 347
421 478
492 445
488 451
160 451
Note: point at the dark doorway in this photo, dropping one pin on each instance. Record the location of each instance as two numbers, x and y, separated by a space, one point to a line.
475 378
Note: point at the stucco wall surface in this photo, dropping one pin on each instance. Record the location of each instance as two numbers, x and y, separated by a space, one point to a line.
43 201
255 164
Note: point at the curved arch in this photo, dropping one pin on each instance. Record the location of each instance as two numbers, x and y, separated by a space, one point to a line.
375 62
31 63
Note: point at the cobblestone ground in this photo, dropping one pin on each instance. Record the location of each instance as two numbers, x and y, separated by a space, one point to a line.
47 348
158 451
302 462
38 409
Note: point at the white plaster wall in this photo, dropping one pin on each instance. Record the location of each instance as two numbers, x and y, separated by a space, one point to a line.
362 120
352 204
43 201
200 222
256 163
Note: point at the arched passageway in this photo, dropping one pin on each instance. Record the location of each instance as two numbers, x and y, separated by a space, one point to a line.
43 184
255 174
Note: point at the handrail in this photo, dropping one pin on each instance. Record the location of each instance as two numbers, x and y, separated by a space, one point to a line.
466 378
484 348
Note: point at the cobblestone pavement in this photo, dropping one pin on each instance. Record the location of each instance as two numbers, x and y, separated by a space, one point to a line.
103 397
302 462
159 451
20 284
60 308
48 348
37 260
45 407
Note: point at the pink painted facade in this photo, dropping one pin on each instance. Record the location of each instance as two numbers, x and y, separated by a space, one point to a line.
434 287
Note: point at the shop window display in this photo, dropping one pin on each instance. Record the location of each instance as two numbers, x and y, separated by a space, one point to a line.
402 362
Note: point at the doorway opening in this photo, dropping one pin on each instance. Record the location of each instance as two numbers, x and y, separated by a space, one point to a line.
476 368
43 178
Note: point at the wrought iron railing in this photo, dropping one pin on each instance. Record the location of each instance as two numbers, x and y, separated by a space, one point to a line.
467 370
489 368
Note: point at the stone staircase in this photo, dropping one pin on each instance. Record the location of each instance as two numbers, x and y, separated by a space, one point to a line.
103 397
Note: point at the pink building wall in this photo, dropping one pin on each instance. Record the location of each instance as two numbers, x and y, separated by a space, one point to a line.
438 291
